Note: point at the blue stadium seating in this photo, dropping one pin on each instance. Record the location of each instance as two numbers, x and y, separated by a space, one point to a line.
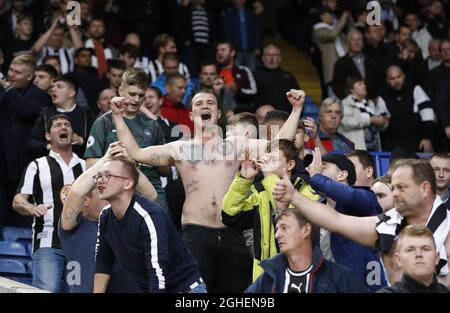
15 270
310 109
30 249
11 267
8 248
382 160
29 267
27 280
9 233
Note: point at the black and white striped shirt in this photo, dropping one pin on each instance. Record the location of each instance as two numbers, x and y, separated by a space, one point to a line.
45 179
65 57
106 50
154 68
200 26
392 223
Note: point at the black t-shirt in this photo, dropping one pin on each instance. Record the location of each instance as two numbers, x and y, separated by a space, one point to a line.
297 282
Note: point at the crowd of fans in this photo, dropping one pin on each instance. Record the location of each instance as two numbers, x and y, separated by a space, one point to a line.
128 97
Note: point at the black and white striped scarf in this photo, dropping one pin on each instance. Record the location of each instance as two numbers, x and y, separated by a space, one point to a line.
364 107
391 224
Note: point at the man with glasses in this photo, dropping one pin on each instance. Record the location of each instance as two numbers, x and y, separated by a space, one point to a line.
146 132
139 235
78 226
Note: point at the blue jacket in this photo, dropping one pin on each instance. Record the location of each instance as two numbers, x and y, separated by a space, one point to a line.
231 29
355 201
160 83
326 277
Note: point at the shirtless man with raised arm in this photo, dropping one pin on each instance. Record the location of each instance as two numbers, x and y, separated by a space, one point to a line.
207 165
415 203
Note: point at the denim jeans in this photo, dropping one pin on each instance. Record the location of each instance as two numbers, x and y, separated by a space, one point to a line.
201 288
48 269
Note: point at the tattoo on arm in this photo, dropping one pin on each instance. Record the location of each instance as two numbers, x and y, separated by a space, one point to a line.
69 213
155 159
192 186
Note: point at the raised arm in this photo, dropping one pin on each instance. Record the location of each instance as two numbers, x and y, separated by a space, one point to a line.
359 229
73 206
75 36
256 148
297 100
83 185
154 155
42 41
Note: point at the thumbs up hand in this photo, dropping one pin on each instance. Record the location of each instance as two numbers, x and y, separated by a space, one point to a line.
283 191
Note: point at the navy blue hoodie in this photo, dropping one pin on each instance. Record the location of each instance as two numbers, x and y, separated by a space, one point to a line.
146 244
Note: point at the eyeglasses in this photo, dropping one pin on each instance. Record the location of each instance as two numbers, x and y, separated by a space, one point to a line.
104 178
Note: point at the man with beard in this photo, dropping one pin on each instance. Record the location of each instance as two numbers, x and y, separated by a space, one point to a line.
411 114
415 199
103 52
238 79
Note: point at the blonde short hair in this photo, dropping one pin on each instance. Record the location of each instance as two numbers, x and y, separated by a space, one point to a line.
415 231
25 59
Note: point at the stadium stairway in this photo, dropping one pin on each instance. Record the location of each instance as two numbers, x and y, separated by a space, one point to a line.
300 65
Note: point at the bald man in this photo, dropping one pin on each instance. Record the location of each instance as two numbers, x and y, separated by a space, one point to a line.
272 81
411 114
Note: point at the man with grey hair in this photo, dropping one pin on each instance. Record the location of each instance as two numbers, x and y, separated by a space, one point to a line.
356 63
434 58
272 80
330 117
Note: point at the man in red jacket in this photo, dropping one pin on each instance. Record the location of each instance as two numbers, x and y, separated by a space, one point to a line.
173 108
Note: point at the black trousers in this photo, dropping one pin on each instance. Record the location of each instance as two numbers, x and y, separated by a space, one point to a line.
222 256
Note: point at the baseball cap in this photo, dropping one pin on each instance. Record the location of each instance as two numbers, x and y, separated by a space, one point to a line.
343 163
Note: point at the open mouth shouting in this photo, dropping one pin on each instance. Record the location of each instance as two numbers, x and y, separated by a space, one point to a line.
205 116
63 136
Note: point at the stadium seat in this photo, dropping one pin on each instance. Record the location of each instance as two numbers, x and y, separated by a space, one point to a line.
8 248
29 267
11 267
27 280
9 233
310 109
30 248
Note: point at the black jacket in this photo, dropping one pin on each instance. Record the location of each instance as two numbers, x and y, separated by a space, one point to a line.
409 285
272 87
345 67
18 111
82 120
438 88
